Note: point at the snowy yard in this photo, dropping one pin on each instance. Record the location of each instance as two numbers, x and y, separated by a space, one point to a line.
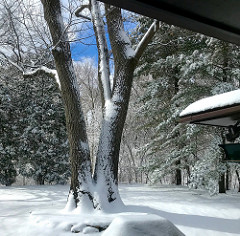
34 210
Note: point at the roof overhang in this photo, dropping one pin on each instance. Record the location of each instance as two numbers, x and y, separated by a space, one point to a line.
216 18
222 117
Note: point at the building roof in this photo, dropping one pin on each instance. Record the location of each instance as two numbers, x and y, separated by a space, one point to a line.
222 116
218 110
216 18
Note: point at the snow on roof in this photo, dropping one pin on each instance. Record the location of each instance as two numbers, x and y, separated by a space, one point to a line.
213 102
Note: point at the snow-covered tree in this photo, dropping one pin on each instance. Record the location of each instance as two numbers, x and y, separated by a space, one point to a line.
101 190
171 148
8 156
33 134
8 125
187 66
43 145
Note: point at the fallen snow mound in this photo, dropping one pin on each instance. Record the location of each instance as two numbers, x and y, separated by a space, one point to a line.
141 225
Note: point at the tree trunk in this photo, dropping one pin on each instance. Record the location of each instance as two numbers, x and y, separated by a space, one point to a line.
178 177
76 128
115 100
188 174
222 184
133 163
106 169
40 180
238 177
228 177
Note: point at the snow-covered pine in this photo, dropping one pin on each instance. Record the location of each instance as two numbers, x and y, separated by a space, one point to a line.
34 131
43 70
8 155
43 147
186 67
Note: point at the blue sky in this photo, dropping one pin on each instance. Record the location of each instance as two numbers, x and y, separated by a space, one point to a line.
80 51
88 48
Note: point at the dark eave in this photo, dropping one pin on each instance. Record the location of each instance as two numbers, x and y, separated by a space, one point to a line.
216 18
223 117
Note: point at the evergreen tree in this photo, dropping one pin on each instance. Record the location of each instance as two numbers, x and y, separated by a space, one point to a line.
43 142
7 150
33 140
184 67
172 147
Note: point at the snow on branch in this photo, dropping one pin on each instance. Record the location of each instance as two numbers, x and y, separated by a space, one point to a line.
146 39
43 70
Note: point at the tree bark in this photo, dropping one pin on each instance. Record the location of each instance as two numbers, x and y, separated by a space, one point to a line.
115 108
76 128
40 180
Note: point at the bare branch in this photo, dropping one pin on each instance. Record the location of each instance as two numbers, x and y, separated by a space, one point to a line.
146 39
11 62
80 9
84 17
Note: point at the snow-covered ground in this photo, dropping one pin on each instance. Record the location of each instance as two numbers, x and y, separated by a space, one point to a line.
35 210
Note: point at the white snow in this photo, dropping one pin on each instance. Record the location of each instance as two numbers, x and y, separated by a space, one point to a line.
110 110
123 37
48 71
209 103
141 225
37 210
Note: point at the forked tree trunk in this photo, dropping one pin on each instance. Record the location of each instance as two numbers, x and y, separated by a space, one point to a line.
115 112
102 189
115 100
